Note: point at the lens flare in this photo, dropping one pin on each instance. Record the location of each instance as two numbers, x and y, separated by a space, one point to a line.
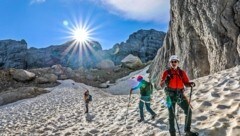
65 22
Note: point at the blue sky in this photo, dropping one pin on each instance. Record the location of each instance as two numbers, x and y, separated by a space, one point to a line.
40 22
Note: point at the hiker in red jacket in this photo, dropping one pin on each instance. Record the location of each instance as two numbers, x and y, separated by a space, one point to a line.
175 80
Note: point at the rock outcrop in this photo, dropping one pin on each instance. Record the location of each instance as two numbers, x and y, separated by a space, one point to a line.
143 43
205 34
13 54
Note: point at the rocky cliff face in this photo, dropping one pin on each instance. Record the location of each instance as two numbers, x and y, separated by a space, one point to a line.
143 43
205 34
13 54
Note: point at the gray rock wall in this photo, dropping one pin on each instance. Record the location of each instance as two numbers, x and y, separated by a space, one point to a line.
143 43
13 54
204 33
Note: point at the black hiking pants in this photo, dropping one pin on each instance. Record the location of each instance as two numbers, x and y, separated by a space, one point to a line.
145 100
86 106
177 97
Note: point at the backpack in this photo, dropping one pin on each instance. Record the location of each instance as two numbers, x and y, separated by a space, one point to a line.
146 88
90 98
170 75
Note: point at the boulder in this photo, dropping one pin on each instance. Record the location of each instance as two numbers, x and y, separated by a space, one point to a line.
22 75
132 62
105 85
63 77
47 78
70 73
57 70
106 64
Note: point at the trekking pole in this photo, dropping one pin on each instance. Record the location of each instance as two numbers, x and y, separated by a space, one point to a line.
128 106
178 115
189 103
190 96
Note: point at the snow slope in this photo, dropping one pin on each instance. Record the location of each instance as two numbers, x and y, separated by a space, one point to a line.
215 101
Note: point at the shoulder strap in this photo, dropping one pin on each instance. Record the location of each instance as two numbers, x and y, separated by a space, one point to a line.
169 71
169 76
180 72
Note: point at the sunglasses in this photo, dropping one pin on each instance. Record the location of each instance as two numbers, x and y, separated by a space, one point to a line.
174 61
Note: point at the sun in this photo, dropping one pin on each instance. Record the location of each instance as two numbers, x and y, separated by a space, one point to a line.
81 35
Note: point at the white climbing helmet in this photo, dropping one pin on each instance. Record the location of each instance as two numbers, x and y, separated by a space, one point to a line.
174 57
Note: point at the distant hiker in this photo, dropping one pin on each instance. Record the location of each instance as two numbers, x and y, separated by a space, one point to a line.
175 80
87 99
146 90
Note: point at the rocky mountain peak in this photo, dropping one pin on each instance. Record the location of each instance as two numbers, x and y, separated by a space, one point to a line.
143 43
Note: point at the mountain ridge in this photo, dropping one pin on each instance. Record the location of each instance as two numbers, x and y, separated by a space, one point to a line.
145 41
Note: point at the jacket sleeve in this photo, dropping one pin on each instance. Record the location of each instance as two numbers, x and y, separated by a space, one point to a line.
137 87
185 78
163 78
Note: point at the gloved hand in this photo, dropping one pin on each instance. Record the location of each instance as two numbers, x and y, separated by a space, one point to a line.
192 84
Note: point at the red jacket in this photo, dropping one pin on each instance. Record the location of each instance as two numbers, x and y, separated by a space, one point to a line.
178 79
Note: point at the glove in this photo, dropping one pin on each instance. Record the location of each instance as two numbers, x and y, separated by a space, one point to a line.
192 84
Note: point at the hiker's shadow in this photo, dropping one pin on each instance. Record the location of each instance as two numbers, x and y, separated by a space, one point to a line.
158 124
89 117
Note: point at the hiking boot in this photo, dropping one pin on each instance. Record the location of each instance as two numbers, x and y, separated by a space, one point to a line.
140 120
154 116
190 133
172 134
